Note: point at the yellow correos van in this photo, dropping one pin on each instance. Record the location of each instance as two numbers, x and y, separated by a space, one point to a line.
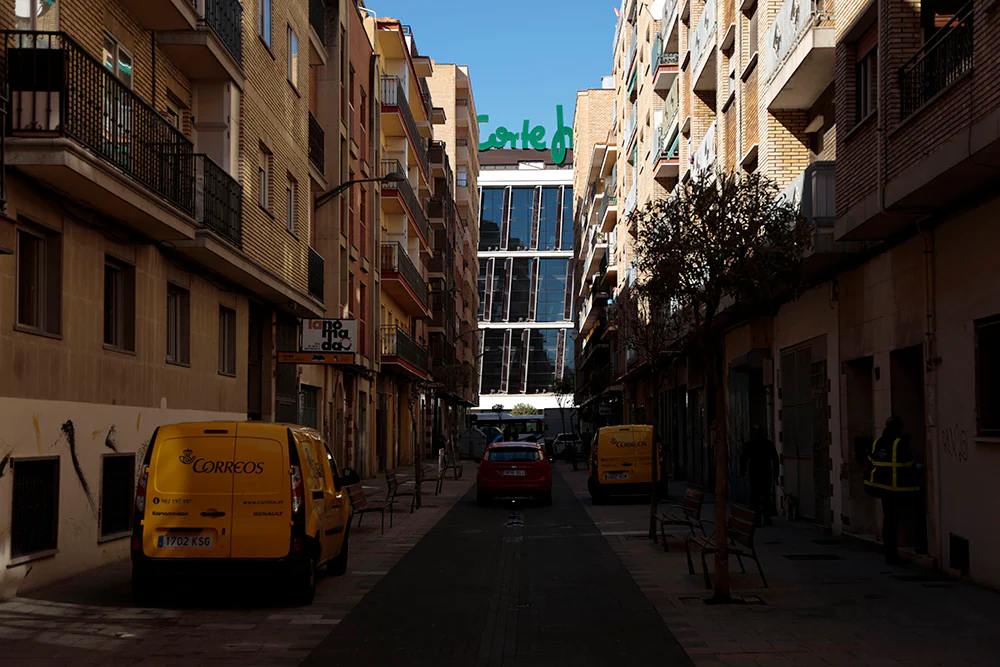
235 496
621 461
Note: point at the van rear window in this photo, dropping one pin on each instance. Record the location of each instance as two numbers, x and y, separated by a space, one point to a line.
514 455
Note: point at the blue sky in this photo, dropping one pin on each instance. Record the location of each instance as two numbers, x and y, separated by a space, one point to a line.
524 56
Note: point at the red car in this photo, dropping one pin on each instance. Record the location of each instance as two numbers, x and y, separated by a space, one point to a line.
514 469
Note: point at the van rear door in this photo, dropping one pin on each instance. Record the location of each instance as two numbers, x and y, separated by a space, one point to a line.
189 498
616 461
262 492
642 439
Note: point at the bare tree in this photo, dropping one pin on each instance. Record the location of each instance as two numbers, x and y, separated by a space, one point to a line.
723 246
563 389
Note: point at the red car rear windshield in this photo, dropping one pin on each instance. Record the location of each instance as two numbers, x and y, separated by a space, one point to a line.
514 455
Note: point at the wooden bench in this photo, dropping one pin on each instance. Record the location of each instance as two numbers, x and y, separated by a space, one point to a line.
741 524
432 475
686 513
361 505
395 489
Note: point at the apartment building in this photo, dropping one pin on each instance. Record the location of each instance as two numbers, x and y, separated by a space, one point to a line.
526 248
161 247
873 120
454 217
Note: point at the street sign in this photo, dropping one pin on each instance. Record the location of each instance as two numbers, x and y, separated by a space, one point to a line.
329 335
327 358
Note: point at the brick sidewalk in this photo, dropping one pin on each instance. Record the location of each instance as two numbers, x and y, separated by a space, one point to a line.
90 621
833 603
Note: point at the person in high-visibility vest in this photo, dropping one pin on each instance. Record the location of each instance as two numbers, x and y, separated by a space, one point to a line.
893 477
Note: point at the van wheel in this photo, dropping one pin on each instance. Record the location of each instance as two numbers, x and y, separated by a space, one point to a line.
338 566
143 593
304 582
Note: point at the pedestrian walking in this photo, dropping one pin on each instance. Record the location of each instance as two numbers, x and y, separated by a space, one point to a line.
760 455
570 453
893 478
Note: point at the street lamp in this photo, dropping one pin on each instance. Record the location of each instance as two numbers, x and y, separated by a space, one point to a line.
326 197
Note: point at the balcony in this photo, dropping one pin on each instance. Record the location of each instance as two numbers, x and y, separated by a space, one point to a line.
398 121
630 129
219 201
74 126
315 276
814 194
402 280
214 50
703 161
633 48
630 201
317 144
665 64
401 353
800 61
666 160
608 214
598 249
163 14
317 32
462 115
943 60
398 197
703 51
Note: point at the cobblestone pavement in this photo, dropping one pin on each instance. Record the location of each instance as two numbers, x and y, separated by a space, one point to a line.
89 619
833 603
513 584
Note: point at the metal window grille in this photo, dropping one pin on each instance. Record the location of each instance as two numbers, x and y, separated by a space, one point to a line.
35 506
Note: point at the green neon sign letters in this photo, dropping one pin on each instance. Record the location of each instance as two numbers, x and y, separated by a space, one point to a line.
531 137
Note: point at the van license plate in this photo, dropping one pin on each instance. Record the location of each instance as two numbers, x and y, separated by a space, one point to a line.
513 473
611 476
184 542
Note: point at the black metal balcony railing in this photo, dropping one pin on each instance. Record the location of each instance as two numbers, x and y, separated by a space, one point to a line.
315 274
57 87
226 19
397 343
317 18
938 64
395 260
317 143
219 201
393 95
406 192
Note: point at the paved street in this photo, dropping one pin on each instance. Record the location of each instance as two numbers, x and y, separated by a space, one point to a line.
520 584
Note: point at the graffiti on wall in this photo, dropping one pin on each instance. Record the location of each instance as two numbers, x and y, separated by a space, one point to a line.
955 442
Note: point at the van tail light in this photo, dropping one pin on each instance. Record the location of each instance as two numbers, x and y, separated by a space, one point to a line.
140 492
298 492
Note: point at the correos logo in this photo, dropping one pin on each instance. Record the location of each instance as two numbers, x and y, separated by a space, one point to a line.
624 443
202 466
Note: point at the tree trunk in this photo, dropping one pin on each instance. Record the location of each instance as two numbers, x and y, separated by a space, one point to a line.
654 491
714 370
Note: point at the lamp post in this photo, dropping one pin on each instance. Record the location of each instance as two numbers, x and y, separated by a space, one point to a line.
327 197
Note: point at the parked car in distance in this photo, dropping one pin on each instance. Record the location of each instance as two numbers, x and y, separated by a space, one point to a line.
514 469
239 498
563 439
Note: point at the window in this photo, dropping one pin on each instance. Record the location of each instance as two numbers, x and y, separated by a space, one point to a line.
522 203
463 177
291 203
752 31
483 268
566 237
293 58
227 341
117 59
548 219
34 525
264 178
514 455
117 486
551 290
988 376
499 290
491 218
362 220
36 15
119 305
39 281
866 84
521 278
363 319
543 351
264 20
492 360
178 325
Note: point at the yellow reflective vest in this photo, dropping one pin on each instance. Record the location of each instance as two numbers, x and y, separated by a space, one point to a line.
888 472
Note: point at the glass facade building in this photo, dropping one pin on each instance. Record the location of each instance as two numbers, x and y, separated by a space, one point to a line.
525 280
